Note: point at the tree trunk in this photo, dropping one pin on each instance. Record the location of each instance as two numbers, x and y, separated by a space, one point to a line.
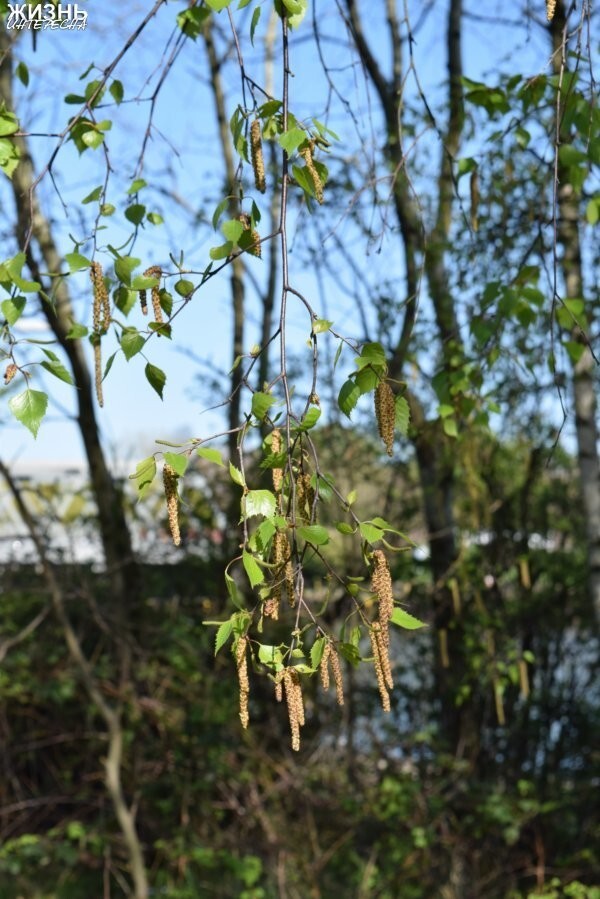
584 370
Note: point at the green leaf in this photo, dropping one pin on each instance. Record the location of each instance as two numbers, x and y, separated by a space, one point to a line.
370 532
592 211
125 299
316 652
372 354
450 427
77 331
13 267
253 569
22 73
77 262
259 502
232 230
320 325
220 209
368 379
218 5
95 194
233 591
92 138
178 462
261 403
348 397
29 408
344 528
145 472
154 218
12 309
107 209
9 123
124 266
270 655
212 455
575 350
57 369
291 140
116 91
156 378
403 619
135 213
402 415
142 283
315 534
222 251
223 634
184 288
236 475
310 419
136 185
9 156
254 23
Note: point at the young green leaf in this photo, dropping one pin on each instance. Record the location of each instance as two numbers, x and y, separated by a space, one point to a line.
77 262
236 475
315 534
29 408
145 472
259 502
178 462
223 634
316 652
403 619
212 455
131 342
261 403
12 309
156 378
253 569
348 397
135 213
57 369
402 415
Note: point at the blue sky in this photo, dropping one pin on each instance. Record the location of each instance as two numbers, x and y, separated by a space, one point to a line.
184 176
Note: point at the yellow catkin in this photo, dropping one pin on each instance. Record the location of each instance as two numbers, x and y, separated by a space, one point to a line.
11 370
379 671
276 449
474 188
101 307
295 704
172 498
271 606
289 581
254 249
337 676
383 645
98 369
155 271
244 683
305 497
307 155
256 154
381 585
324 666
385 412
279 689
550 9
